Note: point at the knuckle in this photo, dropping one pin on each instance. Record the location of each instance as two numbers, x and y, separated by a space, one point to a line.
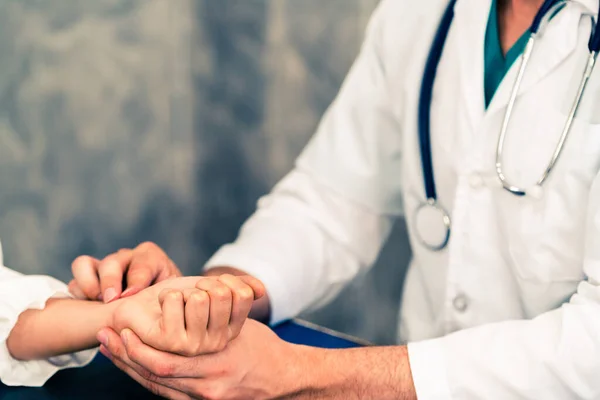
132 353
108 258
147 246
227 277
148 376
138 273
162 369
165 292
174 295
108 274
199 297
109 263
170 294
245 294
120 352
79 262
123 251
221 292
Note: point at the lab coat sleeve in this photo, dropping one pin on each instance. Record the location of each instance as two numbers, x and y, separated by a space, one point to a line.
304 243
554 356
17 294
327 220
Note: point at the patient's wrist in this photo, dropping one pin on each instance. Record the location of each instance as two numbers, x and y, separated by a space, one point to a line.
63 326
106 313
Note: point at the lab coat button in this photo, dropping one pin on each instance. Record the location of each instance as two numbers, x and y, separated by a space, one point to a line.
476 181
460 303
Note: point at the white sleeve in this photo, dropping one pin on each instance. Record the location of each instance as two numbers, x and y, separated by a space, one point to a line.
554 356
17 294
328 219
304 243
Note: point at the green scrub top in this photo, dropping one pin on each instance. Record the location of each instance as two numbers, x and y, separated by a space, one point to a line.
496 65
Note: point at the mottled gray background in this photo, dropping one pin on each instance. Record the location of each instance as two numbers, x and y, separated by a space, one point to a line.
130 120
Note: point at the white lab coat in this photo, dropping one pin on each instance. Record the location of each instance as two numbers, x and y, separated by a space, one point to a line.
19 293
511 308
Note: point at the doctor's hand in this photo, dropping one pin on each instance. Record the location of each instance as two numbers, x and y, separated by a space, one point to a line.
256 365
121 274
217 308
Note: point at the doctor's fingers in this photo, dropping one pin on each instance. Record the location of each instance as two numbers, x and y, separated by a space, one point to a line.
244 290
183 328
76 291
143 377
236 292
184 374
149 264
197 308
111 272
86 284
173 338
153 387
100 279
220 304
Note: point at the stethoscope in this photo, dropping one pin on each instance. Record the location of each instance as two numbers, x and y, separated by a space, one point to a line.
430 211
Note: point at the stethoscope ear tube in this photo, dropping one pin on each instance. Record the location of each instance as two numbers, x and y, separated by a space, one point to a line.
594 43
542 13
425 96
424 128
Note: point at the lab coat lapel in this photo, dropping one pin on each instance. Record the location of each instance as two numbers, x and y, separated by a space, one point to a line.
554 46
470 22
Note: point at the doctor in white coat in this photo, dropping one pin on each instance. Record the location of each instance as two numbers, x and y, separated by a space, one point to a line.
509 307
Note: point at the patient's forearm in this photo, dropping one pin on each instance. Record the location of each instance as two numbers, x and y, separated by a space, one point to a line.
63 326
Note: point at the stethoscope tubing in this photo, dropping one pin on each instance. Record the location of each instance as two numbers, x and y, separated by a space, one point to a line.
548 8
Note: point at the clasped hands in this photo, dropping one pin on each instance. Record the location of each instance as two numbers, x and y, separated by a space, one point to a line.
172 337
188 316
186 337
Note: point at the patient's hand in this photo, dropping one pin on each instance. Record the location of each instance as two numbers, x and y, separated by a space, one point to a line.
214 314
142 312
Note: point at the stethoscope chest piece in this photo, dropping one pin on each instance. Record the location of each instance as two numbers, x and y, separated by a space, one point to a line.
432 225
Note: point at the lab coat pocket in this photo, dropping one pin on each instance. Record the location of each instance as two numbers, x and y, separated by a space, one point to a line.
549 246
550 243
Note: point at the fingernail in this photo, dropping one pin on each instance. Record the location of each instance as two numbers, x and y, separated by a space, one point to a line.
102 338
109 295
124 337
100 297
127 292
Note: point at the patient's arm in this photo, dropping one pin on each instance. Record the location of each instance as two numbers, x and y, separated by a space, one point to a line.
66 326
63 326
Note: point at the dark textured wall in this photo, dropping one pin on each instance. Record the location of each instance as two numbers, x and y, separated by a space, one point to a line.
130 120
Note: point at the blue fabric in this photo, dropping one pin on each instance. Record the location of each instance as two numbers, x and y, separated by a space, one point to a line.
298 334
